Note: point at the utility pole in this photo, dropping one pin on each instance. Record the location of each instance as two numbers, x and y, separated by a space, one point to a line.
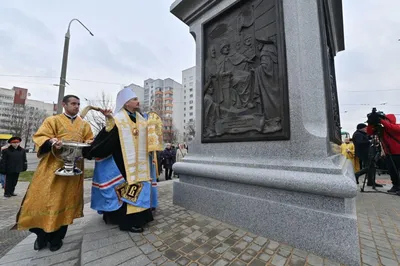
63 76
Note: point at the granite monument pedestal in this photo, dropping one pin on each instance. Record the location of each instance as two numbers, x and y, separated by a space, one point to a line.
264 157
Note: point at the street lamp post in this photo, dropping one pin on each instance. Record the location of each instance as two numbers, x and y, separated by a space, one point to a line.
61 89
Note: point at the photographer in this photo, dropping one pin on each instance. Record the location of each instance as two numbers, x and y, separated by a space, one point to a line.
389 133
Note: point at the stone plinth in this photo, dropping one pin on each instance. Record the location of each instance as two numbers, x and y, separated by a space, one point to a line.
281 179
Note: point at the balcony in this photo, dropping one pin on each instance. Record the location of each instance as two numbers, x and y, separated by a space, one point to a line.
168 111
158 93
168 99
169 92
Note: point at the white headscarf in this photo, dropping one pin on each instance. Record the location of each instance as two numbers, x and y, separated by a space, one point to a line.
123 97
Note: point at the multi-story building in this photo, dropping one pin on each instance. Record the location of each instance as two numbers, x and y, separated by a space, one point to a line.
189 104
20 115
166 98
138 90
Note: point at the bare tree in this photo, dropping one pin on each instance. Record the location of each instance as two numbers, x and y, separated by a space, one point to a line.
174 135
96 119
36 118
17 118
25 121
190 131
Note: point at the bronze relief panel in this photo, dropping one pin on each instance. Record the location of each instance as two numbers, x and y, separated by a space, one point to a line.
245 94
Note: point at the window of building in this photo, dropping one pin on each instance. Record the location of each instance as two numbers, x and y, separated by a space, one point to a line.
184 97
184 121
191 95
191 114
191 89
191 108
184 109
191 84
190 102
191 77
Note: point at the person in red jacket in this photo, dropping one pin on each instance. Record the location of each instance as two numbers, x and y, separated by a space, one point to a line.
390 139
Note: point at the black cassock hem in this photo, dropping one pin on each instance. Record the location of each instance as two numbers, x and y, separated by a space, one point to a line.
127 221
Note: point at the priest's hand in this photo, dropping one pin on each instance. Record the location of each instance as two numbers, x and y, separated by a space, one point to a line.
56 143
106 112
90 141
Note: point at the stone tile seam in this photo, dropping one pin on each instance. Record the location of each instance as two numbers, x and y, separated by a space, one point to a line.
57 263
100 258
118 241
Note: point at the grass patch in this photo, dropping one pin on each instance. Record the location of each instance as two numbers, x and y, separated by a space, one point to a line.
27 175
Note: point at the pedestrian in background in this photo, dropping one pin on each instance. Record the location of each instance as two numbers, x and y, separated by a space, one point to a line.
180 154
13 162
168 159
3 177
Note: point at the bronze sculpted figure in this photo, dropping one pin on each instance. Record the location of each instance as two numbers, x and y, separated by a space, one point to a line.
245 92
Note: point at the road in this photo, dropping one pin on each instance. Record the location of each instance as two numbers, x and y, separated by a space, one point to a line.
33 162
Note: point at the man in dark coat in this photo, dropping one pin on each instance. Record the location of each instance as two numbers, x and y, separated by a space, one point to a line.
13 162
168 158
361 144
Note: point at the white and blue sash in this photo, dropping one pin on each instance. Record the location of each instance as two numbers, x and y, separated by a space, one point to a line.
134 137
105 179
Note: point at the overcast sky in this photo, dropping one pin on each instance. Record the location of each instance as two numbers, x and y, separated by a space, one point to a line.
139 39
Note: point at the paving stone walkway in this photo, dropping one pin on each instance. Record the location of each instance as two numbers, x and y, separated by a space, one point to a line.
8 210
181 237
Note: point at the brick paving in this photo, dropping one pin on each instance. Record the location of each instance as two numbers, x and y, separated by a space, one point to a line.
182 237
379 228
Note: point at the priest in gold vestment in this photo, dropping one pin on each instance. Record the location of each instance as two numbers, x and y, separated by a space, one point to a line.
126 139
348 150
52 202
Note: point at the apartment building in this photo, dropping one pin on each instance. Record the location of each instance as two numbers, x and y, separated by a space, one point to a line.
189 104
20 115
165 96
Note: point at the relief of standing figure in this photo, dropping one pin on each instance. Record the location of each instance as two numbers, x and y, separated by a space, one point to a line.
211 111
266 89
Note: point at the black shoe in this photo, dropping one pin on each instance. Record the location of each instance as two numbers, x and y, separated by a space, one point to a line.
394 189
39 244
13 194
136 230
376 185
7 195
57 246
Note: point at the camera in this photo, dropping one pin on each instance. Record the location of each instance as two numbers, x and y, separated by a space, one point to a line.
375 117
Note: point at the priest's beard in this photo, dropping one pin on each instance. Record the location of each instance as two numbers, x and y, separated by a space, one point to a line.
137 110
